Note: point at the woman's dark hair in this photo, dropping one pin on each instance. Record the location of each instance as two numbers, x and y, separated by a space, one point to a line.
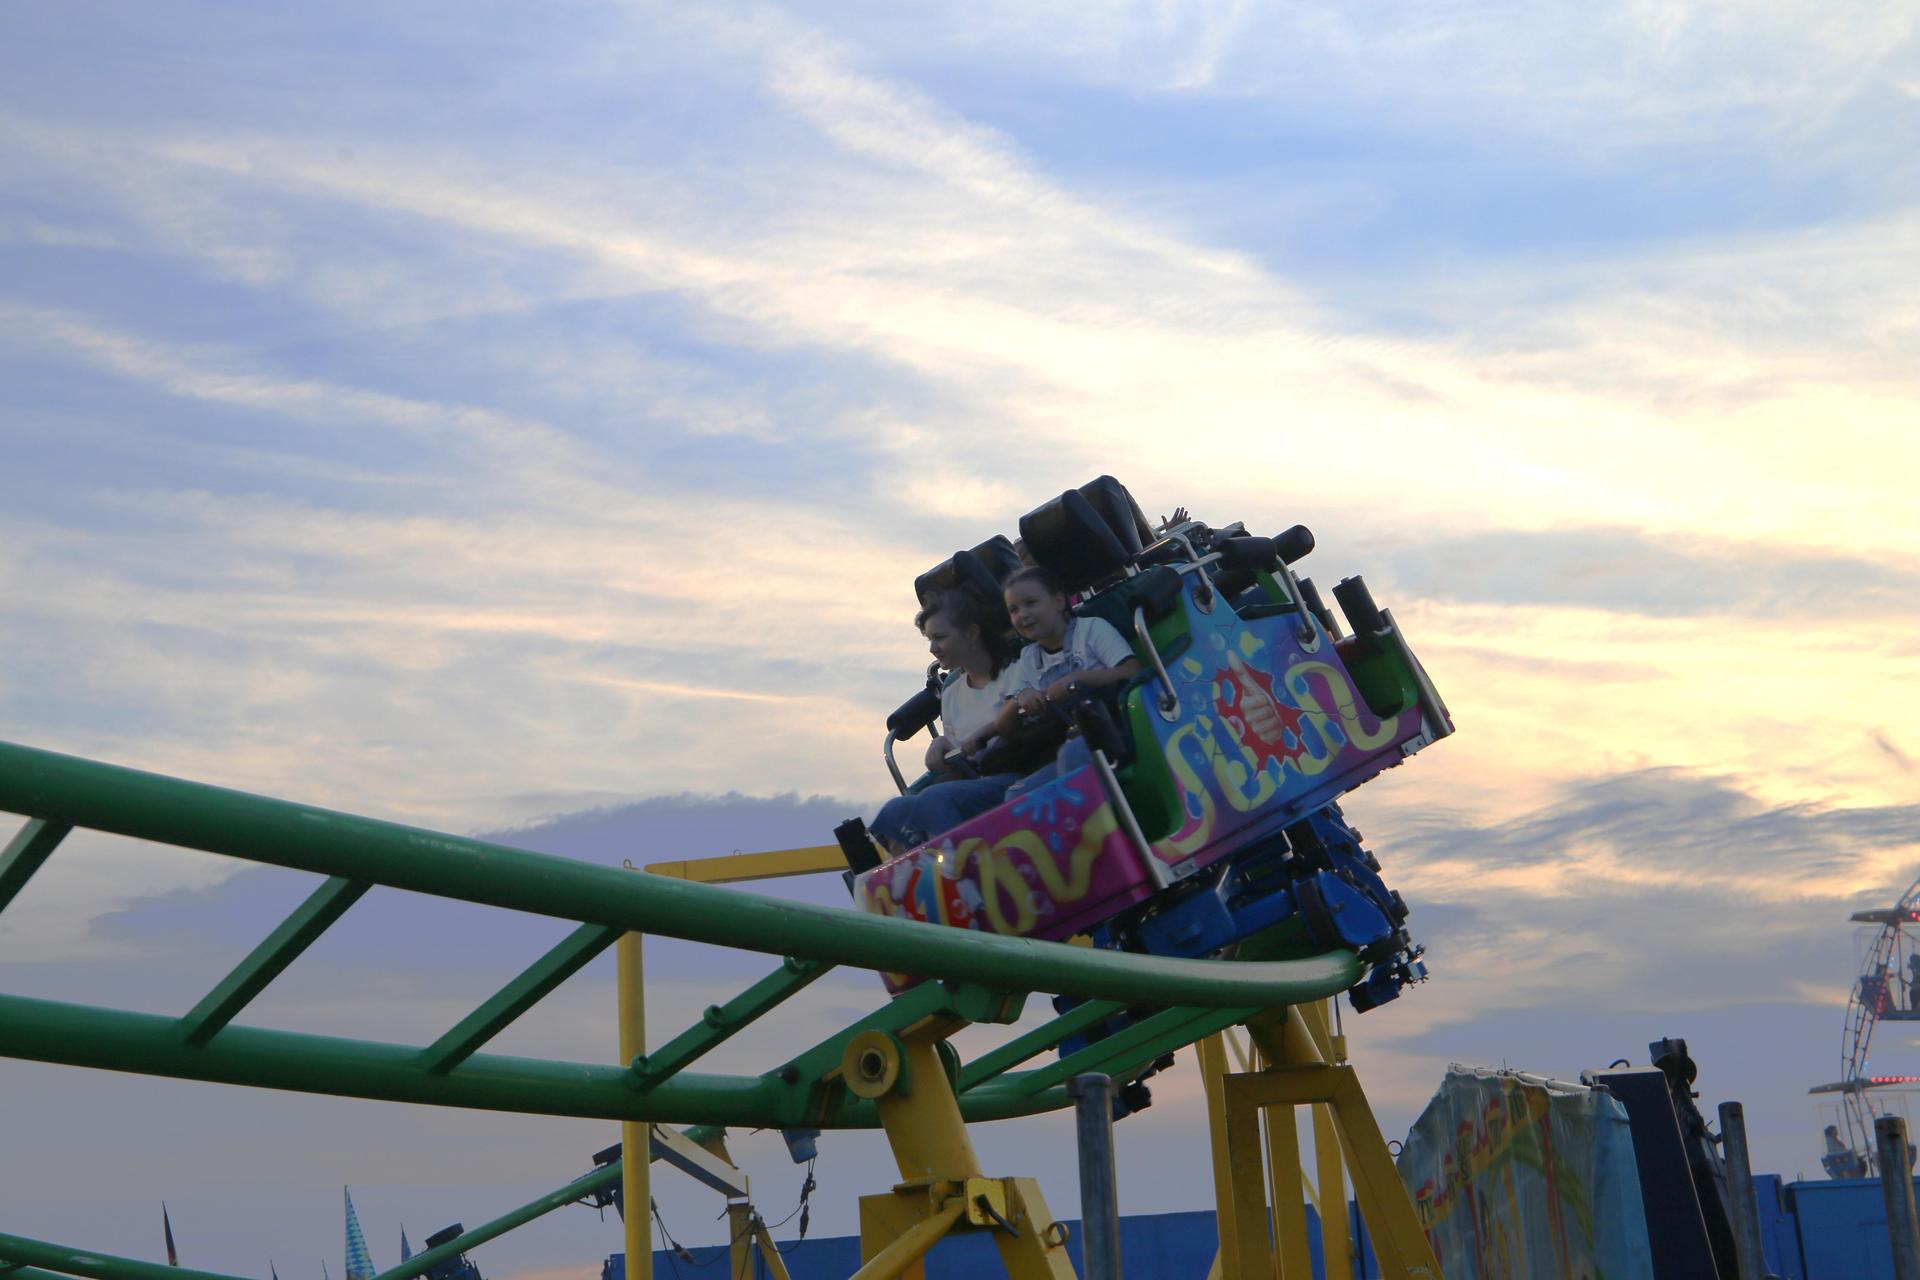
965 609
1034 573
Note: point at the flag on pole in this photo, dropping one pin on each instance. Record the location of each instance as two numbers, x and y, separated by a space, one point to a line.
273 1270
323 1270
359 1261
406 1250
166 1224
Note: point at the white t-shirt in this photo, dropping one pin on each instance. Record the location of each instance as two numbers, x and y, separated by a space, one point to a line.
1090 644
966 710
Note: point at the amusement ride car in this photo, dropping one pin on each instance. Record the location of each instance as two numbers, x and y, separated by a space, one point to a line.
1194 811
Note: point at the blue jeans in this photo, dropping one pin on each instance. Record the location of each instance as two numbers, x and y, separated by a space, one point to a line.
1073 754
914 819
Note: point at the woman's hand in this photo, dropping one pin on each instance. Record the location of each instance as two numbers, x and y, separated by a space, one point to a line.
1031 702
937 753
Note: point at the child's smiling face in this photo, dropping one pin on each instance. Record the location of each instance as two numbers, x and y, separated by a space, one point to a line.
1039 615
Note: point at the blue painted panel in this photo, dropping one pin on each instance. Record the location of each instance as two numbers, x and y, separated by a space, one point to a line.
1153 1246
1779 1233
1170 1245
1843 1229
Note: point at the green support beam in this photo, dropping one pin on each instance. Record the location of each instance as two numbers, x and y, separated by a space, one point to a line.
268 960
25 853
99 1266
151 807
63 1260
722 1021
1135 1046
997 1062
518 996
116 1040
420 1263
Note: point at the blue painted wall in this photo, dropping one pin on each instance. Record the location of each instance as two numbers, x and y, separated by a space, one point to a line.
1843 1229
1153 1246
1810 1230
1779 1233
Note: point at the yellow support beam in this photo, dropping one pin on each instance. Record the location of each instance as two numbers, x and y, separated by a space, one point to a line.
740 1240
1398 1241
1212 1055
1246 1251
1242 1054
940 1173
1289 1204
1336 1240
734 867
902 1254
769 1251
918 1109
635 1135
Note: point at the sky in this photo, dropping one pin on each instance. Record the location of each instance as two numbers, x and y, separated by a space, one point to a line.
530 422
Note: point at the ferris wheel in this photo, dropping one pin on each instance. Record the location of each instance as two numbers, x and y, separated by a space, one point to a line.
1887 990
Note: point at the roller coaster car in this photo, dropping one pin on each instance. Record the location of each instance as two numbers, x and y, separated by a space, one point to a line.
1194 813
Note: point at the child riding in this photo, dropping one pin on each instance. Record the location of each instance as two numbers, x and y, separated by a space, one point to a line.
1064 654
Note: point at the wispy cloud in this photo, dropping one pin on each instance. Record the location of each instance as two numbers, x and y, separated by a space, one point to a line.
562 421
1900 759
1625 571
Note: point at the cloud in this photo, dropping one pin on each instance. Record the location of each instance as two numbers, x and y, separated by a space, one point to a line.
1642 74
1627 571
560 423
1669 830
1900 758
1627 908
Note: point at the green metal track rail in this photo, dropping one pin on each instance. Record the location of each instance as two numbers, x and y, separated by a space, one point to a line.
972 977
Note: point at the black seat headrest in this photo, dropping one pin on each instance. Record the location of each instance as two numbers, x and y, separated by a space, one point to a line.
1123 515
962 571
999 557
1068 538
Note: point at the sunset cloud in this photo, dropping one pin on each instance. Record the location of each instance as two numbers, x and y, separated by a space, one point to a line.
536 427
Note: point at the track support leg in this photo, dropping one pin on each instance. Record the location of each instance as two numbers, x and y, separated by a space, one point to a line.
1300 1075
1296 1070
942 1188
636 1136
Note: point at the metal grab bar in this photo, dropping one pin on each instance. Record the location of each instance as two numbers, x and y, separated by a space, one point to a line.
1168 704
892 768
1129 824
1291 585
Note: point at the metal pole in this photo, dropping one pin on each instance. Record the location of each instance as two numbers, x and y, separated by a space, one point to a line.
1099 1199
1746 1217
1896 1184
